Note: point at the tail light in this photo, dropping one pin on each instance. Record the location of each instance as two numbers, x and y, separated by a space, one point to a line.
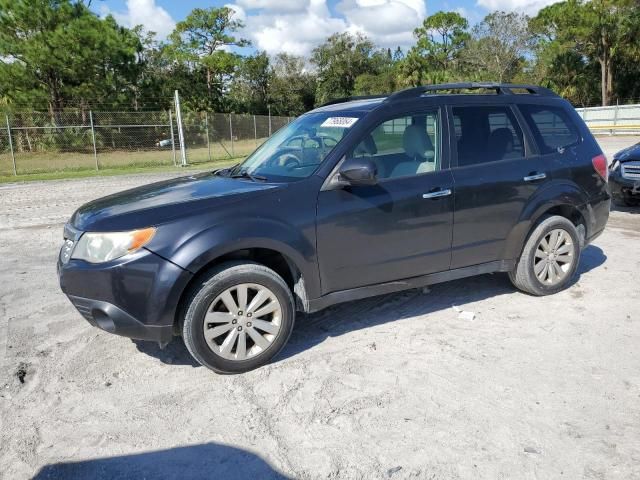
600 166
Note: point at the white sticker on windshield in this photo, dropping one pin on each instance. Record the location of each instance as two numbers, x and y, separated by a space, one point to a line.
339 122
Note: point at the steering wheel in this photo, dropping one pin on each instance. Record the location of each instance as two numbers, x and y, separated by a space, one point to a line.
287 159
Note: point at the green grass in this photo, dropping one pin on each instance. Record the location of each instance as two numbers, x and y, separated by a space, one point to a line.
60 164
123 170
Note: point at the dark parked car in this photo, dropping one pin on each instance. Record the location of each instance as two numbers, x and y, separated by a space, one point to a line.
624 174
357 198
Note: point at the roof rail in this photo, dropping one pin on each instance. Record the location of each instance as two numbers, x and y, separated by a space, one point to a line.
500 88
351 99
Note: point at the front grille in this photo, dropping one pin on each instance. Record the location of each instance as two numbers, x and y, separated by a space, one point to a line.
631 170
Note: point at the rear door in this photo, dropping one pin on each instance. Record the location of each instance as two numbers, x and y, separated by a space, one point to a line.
496 170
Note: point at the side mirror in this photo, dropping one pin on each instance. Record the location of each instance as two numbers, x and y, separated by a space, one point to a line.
359 171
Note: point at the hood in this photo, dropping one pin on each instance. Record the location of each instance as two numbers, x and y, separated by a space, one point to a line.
161 202
628 154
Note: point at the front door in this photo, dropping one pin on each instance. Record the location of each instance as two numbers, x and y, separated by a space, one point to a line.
399 228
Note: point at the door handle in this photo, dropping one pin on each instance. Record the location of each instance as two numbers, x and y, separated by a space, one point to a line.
534 177
438 193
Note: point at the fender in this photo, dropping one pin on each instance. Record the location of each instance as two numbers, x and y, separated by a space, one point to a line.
250 232
560 193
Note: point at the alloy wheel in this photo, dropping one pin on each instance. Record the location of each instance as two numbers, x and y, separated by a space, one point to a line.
243 321
554 257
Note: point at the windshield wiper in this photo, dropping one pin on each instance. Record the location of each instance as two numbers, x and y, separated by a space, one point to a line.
246 174
224 172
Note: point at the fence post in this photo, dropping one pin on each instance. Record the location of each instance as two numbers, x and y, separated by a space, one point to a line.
233 154
93 137
615 116
206 123
173 142
255 131
183 151
269 106
13 156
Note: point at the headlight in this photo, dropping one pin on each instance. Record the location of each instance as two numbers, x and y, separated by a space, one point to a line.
97 247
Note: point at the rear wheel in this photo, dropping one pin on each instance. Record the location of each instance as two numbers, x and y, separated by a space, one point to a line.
238 318
549 258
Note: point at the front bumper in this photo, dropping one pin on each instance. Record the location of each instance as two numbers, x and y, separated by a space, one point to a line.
623 187
112 319
136 296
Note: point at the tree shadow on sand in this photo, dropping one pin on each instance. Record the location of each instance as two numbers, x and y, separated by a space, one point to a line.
204 461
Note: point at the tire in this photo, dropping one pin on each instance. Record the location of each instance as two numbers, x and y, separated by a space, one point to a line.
213 300
530 275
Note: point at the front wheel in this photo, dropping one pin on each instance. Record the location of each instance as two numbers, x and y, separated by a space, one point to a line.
238 318
549 258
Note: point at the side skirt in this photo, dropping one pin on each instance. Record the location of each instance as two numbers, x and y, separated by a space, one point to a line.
342 296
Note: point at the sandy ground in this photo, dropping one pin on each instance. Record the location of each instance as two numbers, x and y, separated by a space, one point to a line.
398 386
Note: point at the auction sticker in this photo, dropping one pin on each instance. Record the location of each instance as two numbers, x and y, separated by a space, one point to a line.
339 122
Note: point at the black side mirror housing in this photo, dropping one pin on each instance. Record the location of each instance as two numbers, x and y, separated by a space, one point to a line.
359 171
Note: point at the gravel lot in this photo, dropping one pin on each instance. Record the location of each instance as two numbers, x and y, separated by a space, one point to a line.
399 386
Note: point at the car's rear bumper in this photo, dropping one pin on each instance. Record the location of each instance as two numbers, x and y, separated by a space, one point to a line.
136 296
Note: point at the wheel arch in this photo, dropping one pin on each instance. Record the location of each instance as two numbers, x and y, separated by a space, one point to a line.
272 258
563 199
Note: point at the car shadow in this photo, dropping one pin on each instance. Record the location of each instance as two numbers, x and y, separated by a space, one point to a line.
625 209
204 461
313 329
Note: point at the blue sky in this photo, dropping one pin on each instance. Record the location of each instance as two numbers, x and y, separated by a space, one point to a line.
296 26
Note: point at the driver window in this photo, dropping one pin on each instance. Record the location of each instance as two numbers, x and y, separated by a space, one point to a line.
403 146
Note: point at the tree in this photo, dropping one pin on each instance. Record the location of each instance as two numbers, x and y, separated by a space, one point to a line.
203 39
292 88
499 47
250 86
58 52
600 30
441 39
339 61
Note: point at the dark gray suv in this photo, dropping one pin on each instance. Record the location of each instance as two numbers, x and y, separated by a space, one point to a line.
359 197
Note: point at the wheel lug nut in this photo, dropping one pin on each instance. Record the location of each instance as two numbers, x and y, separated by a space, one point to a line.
240 313
234 321
248 314
248 324
240 328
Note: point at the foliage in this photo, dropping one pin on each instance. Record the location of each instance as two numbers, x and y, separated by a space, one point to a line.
58 54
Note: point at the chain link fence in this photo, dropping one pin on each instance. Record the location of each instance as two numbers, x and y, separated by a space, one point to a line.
37 142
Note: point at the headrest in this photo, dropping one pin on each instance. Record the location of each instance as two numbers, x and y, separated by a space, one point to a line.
416 142
501 142
367 146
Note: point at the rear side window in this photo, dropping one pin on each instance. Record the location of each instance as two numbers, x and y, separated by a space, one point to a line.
487 134
551 127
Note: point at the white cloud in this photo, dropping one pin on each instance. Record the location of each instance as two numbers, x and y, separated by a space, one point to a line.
146 13
274 5
530 7
296 26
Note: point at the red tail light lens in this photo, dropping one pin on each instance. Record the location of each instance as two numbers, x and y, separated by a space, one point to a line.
600 166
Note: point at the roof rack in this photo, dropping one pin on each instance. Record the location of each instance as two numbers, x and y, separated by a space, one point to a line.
500 88
352 99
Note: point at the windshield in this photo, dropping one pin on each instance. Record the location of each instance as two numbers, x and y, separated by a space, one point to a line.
296 150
